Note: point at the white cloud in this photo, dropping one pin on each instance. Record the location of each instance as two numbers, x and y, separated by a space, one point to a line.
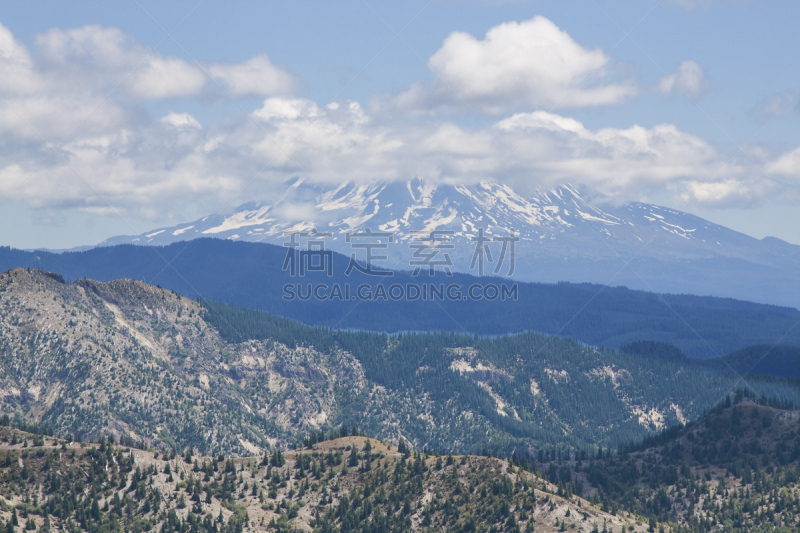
529 64
53 117
16 68
612 159
690 79
787 164
101 58
181 120
144 165
286 109
150 168
79 93
104 47
161 78
256 77
335 143
726 191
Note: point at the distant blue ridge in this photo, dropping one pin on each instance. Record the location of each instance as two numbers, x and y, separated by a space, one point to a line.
249 275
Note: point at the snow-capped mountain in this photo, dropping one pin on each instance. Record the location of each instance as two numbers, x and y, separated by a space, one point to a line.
566 233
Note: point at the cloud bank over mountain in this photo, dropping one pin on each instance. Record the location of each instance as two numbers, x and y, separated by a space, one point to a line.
83 125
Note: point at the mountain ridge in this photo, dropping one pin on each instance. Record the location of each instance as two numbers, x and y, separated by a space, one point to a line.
341 484
567 233
250 275
148 365
733 469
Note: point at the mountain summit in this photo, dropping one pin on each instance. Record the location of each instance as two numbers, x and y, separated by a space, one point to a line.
566 233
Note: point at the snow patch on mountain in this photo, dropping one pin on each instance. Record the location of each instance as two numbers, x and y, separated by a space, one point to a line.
565 233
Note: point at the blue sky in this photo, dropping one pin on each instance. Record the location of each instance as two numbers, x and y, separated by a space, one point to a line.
108 125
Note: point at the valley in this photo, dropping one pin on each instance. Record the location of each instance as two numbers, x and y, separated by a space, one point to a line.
229 419
735 469
389 267
150 366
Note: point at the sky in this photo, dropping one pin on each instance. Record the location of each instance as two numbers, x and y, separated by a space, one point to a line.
116 118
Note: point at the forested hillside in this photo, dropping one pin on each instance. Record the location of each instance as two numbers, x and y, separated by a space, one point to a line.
250 275
737 469
547 390
763 359
349 484
152 369
774 360
148 365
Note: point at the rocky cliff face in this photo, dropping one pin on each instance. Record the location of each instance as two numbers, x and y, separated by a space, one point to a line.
139 362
